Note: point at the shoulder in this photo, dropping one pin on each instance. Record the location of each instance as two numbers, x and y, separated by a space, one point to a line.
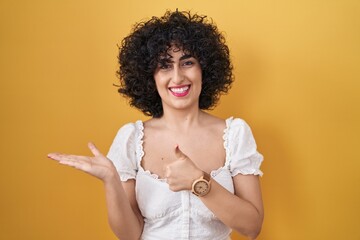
123 151
241 146
130 128
125 146
127 136
235 122
236 125
238 135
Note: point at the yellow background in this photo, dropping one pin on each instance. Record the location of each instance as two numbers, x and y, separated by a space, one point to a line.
297 85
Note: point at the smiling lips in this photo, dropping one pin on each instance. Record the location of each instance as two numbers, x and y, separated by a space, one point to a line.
180 91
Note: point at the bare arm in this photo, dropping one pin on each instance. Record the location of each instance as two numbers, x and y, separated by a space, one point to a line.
123 213
124 216
242 211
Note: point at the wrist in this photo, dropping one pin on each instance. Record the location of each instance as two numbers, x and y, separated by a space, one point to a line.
111 177
202 185
197 174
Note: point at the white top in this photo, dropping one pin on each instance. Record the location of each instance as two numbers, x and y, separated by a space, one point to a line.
182 215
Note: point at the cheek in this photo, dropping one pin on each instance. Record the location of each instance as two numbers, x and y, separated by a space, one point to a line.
198 77
159 84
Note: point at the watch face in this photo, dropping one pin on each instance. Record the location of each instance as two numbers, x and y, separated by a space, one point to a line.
201 187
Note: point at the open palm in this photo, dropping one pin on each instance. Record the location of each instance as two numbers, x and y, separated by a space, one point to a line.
98 165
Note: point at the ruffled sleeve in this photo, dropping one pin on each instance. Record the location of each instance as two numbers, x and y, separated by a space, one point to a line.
122 152
243 155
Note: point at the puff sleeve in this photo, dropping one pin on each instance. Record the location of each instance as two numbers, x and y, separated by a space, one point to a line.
243 155
122 152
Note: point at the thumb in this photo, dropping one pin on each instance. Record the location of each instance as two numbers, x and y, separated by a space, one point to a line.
179 154
93 149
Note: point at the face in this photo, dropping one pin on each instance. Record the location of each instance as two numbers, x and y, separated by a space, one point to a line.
178 81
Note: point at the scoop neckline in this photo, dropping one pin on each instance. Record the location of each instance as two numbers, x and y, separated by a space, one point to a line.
140 149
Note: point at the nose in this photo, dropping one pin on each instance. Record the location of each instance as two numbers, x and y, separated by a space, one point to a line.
178 76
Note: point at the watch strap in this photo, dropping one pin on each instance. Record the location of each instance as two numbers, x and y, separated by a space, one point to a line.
206 176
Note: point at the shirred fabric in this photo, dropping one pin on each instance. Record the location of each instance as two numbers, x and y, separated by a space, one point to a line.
182 215
122 152
243 155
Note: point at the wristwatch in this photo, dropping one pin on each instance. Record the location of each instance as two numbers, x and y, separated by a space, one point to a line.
201 186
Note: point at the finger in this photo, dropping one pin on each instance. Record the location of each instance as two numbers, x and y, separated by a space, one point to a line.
179 154
81 165
60 156
57 156
94 150
166 170
52 155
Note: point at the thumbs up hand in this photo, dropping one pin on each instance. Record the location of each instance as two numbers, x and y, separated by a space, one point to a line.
182 173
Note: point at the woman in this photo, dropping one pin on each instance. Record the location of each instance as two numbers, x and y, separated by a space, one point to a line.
183 174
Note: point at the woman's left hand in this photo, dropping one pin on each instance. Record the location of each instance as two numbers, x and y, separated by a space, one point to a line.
181 174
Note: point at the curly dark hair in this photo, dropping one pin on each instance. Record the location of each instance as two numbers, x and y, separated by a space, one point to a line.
141 51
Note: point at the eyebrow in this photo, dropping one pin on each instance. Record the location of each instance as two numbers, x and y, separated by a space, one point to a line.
186 56
169 59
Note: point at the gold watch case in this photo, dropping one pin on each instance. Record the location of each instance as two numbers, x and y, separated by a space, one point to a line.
201 186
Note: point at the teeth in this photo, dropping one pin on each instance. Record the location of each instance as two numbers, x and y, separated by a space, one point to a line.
179 90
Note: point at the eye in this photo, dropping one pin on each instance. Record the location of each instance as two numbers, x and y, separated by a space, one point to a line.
164 66
188 63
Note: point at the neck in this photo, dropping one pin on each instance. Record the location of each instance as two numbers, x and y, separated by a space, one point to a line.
182 120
